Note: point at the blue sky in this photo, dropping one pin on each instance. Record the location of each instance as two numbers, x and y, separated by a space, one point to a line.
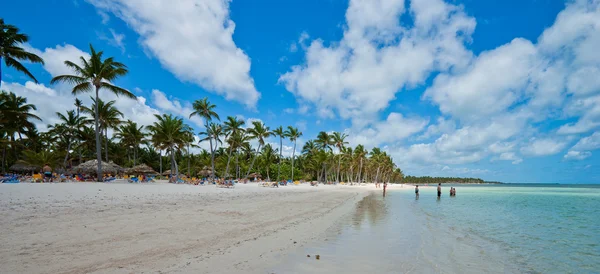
502 90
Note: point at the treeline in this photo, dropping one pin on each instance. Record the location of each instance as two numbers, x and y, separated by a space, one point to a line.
435 180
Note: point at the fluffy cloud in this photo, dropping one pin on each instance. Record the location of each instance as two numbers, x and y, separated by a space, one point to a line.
583 148
396 127
176 107
577 155
376 57
54 58
543 147
200 33
508 156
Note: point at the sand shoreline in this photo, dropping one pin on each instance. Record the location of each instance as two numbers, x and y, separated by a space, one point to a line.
133 228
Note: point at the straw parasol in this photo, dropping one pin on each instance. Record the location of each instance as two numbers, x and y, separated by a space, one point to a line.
254 175
90 167
167 172
140 169
22 167
206 171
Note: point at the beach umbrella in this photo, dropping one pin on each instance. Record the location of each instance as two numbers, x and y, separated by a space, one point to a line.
90 167
140 169
254 175
167 172
205 172
22 167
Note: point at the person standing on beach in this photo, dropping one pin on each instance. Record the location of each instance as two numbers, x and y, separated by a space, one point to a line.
417 191
47 173
439 190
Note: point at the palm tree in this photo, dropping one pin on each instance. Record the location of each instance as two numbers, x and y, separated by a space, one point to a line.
236 141
10 41
376 157
205 109
39 159
108 118
323 141
281 134
71 123
170 132
131 135
268 155
95 74
293 134
78 105
16 113
231 127
338 139
360 153
212 132
260 132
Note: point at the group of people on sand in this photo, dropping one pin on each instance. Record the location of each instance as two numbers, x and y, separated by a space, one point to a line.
439 191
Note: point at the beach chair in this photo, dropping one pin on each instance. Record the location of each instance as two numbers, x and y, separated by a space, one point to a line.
11 180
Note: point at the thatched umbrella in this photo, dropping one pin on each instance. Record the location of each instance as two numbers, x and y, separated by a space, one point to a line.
206 171
90 167
254 175
141 169
167 172
22 167
117 167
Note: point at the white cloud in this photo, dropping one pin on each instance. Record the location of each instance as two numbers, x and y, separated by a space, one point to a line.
577 155
54 58
509 156
543 147
489 86
175 106
395 128
376 57
115 39
200 33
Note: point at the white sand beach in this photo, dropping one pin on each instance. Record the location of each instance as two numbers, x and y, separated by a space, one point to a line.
164 228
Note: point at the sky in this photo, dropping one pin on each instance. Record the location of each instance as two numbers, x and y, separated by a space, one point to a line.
504 90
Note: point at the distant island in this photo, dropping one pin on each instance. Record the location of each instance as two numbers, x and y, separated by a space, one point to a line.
435 180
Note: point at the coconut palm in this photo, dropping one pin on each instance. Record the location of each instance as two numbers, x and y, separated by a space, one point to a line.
205 110
39 159
16 113
92 75
170 132
71 124
259 132
231 127
268 157
293 134
131 135
11 51
109 118
236 141
213 132
279 132
339 141
323 141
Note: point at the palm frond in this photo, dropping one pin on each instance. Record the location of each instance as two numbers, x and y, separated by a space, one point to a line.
10 62
117 90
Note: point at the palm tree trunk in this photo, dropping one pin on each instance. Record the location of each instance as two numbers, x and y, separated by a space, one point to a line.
339 166
293 154
189 172
106 144
67 156
174 164
280 156
228 160
135 151
1 79
98 145
212 157
360 170
237 163
3 159
160 160
253 159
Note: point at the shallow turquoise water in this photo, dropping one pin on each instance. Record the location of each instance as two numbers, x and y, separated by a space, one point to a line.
485 229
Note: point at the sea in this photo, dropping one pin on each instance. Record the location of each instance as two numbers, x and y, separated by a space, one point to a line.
504 228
